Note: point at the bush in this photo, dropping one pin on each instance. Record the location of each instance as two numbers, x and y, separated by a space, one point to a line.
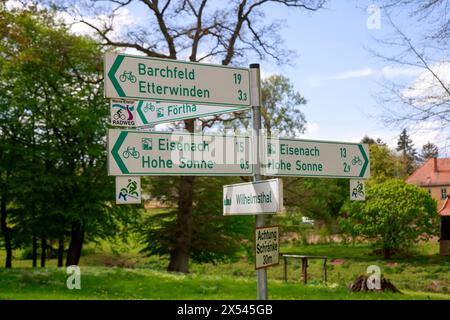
395 215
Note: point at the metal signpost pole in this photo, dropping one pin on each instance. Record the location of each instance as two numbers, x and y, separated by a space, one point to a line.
255 74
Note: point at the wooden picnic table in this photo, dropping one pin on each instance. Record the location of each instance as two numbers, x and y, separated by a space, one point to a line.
304 265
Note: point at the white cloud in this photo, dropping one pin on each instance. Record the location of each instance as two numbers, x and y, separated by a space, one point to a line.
426 89
390 72
358 73
387 72
121 22
312 131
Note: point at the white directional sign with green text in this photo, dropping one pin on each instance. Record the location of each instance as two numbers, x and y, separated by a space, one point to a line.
265 196
146 78
139 113
291 157
165 153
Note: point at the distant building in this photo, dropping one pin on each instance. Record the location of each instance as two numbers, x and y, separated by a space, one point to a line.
434 176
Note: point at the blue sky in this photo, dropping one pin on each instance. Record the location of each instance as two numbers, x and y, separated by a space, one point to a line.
337 73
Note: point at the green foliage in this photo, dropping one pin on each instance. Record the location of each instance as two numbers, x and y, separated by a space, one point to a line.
429 150
408 154
316 198
384 165
280 106
395 215
53 122
214 237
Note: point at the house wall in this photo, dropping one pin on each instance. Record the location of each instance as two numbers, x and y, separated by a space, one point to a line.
436 194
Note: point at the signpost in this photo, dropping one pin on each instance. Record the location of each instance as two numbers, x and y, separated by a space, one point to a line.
267 243
128 190
251 198
291 157
165 153
147 91
138 77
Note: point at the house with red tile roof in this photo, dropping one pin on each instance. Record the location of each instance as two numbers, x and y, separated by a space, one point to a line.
433 175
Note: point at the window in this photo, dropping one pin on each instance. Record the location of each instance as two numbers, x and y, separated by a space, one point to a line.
443 193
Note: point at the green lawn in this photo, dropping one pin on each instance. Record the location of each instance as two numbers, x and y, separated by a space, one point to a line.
125 283
119 271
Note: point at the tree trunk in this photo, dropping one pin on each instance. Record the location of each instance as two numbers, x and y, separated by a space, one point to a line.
179 255
387 253
6 234
61 252
34 254
76 244
43 250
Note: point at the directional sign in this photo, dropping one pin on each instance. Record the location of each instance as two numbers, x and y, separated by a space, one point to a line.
149 112
128 190
165 153
290 157
139 113
139 77
266 246
253 197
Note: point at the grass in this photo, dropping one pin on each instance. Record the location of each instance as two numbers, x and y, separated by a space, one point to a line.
119 271
126 283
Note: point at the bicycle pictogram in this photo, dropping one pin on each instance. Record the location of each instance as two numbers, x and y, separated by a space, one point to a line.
149 107
131 151
127 75
357 161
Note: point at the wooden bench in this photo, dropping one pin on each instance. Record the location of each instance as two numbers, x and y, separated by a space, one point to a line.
304 265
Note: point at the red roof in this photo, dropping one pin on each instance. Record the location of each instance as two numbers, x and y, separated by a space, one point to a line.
434 172
445 210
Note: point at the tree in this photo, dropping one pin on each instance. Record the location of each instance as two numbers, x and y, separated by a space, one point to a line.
280 106
395 215
214 237
319 199
53 119
198 31
408 153
429 150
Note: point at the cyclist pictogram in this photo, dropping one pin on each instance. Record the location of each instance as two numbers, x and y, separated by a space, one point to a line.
358 190
119 115
129 191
